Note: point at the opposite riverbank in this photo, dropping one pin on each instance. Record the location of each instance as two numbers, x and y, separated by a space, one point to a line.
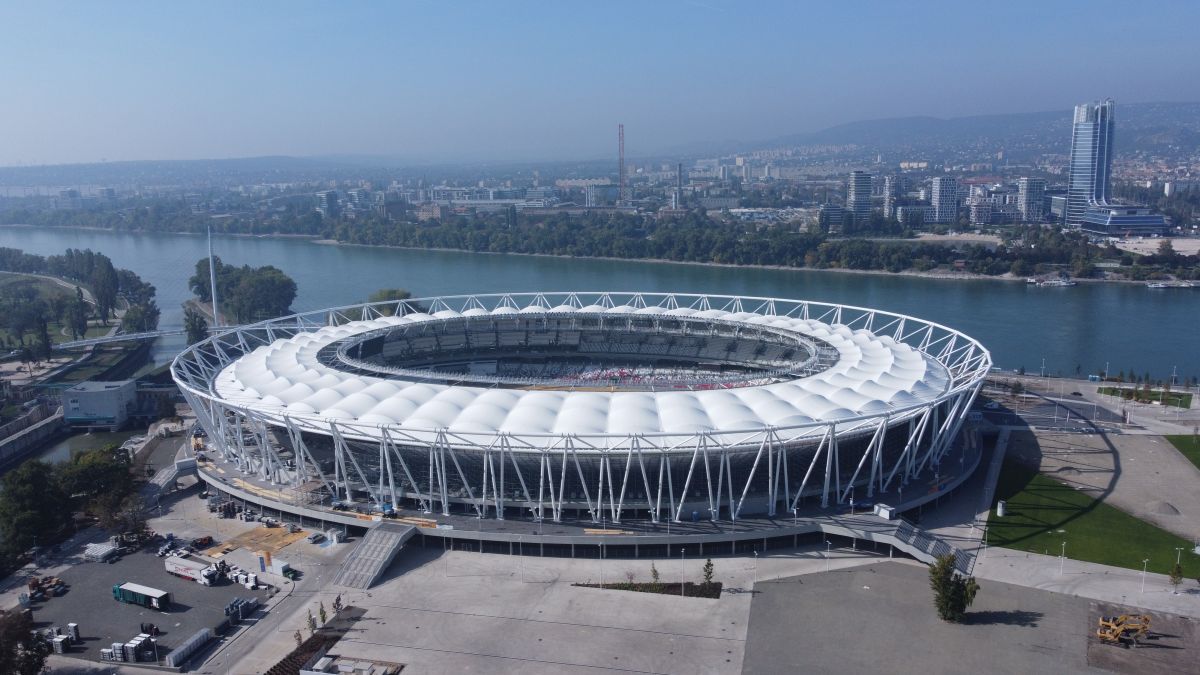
944 274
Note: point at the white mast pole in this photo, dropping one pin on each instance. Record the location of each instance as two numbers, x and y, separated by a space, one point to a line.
212 280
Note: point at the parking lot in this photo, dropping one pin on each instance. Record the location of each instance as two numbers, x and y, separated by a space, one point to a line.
103 620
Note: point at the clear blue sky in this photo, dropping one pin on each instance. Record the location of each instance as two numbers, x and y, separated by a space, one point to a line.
87 81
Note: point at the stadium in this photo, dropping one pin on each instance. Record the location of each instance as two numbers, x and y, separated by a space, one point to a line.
596 407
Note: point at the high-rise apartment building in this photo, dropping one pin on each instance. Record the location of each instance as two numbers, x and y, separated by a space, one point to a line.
1091 159
327 203
1031 197
944 198
891 192
858 196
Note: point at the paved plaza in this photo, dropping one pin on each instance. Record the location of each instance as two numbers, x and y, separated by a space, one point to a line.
880 618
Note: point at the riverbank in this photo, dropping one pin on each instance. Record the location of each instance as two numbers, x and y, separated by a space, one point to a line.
944 275
92 228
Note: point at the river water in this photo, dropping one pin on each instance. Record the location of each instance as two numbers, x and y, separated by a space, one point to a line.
1126 326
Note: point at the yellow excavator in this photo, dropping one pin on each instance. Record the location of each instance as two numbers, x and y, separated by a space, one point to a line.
1124 630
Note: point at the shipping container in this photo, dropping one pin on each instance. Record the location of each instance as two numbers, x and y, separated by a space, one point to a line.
137 594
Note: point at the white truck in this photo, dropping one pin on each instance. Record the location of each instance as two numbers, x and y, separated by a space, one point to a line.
190 568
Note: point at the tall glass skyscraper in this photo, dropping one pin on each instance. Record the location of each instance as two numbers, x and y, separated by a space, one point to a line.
1091 159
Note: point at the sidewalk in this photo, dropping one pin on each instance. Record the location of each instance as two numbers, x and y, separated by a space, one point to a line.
1088 580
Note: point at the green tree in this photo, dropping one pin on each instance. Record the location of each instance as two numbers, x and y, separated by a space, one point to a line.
119 513
76 318
43 344
1176 577
953 593
21 652
708 573
195 325
389 295
104 287
95 473
140 318
321 613
33 508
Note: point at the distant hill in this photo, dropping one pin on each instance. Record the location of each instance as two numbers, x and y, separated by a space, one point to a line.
1140 126
198 172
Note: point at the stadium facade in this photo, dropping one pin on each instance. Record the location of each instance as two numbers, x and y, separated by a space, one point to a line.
597 406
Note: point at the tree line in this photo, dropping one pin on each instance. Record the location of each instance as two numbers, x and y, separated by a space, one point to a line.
26 311
699 238
247 293
878 244
38 499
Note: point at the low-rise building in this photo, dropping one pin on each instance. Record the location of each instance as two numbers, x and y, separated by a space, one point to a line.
100 404
1111 220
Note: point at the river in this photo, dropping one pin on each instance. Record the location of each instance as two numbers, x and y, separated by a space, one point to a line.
1126 326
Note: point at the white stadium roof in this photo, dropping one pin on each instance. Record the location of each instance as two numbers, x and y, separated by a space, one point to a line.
872 375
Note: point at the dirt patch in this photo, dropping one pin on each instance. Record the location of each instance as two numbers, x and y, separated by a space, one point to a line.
1171 646
689 590
258 539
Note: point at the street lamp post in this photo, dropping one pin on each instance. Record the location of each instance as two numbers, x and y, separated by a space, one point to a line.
755 570
1178 554
682 571
1144 564
828 545
1062 559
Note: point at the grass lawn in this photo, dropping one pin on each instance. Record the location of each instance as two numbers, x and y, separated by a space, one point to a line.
1188 445
1042 512
1131 393
45 290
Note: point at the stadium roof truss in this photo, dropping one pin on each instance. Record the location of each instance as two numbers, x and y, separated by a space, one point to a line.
513 469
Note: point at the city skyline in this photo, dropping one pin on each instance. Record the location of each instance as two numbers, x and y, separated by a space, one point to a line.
480 83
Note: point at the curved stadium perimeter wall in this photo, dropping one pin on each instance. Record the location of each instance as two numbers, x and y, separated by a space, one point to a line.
599 406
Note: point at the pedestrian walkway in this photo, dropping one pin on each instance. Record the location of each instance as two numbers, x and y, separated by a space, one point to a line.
373 554
1088 580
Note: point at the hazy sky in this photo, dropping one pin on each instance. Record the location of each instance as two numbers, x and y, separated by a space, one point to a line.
91 81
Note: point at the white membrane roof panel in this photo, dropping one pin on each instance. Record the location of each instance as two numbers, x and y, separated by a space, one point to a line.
872 374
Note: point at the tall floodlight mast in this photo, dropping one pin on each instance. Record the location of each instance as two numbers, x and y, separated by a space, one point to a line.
212 280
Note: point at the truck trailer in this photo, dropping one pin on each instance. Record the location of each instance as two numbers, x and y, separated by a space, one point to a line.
144 596
191 568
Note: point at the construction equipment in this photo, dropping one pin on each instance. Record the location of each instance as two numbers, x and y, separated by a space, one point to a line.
1123 630
45 587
